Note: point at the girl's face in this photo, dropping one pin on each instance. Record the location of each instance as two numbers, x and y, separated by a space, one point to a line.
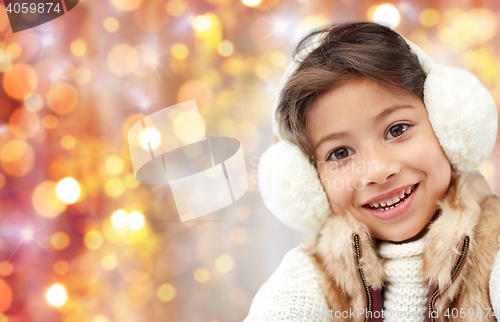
374 150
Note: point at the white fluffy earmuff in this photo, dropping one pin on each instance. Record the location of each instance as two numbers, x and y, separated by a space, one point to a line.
462 114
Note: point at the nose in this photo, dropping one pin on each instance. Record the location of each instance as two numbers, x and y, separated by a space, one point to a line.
382 165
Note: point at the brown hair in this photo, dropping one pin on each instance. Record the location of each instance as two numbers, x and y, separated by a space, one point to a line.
345 52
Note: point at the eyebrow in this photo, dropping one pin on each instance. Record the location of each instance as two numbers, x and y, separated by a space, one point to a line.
378 118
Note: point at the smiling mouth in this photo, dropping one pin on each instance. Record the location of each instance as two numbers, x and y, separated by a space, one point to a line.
390 205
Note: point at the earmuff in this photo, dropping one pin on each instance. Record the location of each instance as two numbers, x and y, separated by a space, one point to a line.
462 114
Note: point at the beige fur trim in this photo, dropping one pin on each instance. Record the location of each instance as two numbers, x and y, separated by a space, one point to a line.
460 212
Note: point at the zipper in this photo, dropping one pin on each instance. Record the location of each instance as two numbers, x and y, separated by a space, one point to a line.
454 275
358 259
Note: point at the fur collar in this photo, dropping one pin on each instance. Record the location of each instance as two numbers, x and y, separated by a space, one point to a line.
332 248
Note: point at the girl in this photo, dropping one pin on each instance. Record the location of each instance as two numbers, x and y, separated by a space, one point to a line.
376 153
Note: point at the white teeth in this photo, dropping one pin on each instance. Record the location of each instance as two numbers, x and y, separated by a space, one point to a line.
385 205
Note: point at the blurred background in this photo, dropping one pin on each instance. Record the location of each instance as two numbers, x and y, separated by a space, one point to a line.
80 238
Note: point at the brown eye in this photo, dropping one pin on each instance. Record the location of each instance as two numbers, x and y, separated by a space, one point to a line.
339 154
398 130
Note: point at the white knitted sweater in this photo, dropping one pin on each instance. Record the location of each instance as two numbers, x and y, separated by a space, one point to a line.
405 293
293 289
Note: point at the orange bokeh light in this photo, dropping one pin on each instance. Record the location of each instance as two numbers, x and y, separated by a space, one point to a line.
24 123
50 121
62 98
61 267
5 296
45 200
60 240
6 268
19 81
17 158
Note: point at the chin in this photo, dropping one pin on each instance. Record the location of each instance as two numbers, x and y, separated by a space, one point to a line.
404 236
399 239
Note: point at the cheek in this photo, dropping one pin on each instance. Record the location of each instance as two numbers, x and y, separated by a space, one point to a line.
339 188
427 156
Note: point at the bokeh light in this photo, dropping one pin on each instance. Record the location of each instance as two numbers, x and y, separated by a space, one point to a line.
68 190
126 5
50 121
135 220
225 48
100 318
78 47
179 51
17 158
82 75
151 136
202 23
26 234
251 3
238 236
19 81
60 240
6 268
387 15
114 164
166 292
122 60
114 187
202 275
24 123
68 142
5 296
224 263
119 218
93 239
130 181
62 98
109 262
176 7
45 201
48 40
33 102
14 50
429 17
111 24
56 295
61 267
